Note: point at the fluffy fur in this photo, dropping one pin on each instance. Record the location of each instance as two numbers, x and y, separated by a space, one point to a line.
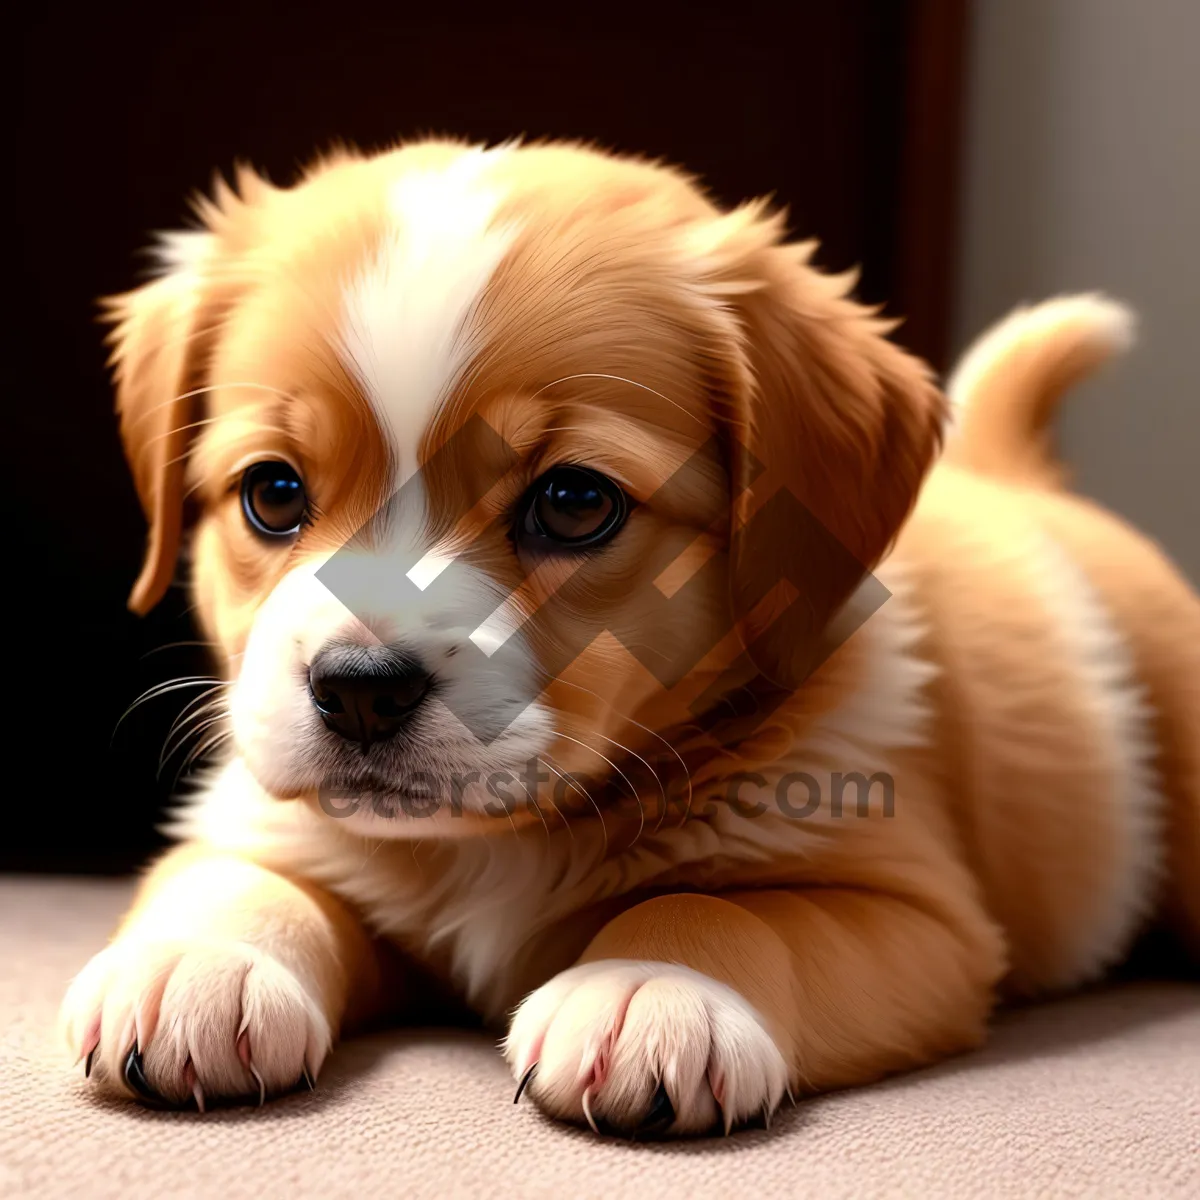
681 930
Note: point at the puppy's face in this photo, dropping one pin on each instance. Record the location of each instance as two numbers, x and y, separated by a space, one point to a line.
471 444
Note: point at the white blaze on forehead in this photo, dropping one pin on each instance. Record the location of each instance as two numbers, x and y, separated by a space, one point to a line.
406 331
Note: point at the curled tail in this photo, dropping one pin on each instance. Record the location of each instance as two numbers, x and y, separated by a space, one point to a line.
1007 385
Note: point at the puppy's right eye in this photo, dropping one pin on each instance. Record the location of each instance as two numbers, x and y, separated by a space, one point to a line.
572 508
274 502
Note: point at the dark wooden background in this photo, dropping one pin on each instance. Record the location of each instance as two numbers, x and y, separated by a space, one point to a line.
846 110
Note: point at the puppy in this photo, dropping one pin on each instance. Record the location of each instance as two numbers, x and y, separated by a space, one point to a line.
571 548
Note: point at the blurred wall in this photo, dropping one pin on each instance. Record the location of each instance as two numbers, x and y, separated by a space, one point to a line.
1082 171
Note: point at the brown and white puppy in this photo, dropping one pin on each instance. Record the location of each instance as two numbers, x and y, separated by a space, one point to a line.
480 457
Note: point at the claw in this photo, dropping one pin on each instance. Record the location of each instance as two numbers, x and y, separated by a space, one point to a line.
716 1085
587 1111
659 1118
89 1046
312 1087
189 1078
262 1087
524 1082
135 1077
243 1053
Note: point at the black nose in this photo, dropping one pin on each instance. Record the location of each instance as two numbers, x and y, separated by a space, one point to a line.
366 693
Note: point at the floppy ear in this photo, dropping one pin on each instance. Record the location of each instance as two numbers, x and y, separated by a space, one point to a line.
832 428
154 361
160 341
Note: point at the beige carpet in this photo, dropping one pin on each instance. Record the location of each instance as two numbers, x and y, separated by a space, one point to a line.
1096 1096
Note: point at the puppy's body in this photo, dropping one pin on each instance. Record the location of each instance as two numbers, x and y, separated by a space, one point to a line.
1029 689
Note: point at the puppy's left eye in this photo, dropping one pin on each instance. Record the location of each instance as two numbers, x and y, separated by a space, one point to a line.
573 507
273 499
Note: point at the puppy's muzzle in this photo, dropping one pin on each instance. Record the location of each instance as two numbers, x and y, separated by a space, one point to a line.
366 694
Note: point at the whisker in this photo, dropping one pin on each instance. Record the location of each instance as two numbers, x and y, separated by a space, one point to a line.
208 744
194 731
657 779
205 747
562 816
202 391
186 713
174 646
371 854
158 437
645 729
186 725
534 805
551 763
197 752
162 689
633 791
187 453
622 379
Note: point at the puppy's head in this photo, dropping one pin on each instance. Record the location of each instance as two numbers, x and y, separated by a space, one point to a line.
498 459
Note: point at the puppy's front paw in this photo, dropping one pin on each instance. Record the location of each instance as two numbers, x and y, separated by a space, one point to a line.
645 1048
170 1023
